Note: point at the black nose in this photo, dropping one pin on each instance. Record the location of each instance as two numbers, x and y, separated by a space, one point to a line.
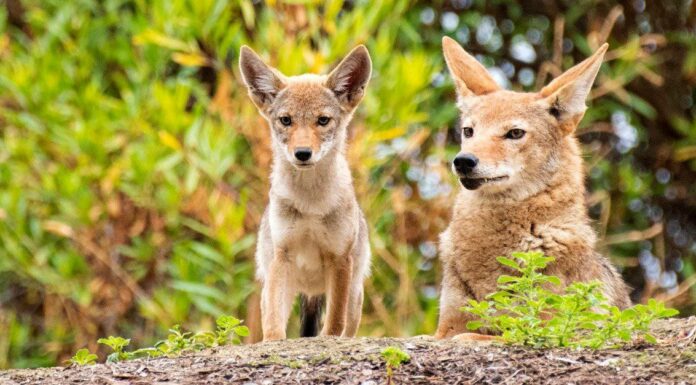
303 153
465 162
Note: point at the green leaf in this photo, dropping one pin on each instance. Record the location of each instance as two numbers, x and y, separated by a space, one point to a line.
474 325
241 331
668 313
508 262
506 279
227 322
113 357
83 357
117 344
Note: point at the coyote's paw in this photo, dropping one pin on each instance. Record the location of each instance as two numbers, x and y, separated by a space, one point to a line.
476 338
273 337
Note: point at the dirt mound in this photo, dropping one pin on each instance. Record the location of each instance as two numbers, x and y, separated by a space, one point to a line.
358 361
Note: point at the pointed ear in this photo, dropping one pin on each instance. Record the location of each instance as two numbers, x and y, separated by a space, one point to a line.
470 77
349 79
567 93
263 82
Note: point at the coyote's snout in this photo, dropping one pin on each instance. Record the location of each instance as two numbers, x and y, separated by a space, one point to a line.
522 174
313 237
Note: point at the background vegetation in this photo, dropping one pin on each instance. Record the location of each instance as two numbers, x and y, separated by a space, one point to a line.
133 166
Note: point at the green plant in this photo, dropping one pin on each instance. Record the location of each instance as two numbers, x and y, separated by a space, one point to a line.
394 357
83 357
228 327
527 310
117 344
228 330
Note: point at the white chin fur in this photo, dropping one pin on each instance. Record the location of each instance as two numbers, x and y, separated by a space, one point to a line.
307 166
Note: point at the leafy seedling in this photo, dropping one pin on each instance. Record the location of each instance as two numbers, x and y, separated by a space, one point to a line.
229 327
83 357
394 357
117 344
228 330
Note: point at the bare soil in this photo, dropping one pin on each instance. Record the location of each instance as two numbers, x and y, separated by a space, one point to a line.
358 361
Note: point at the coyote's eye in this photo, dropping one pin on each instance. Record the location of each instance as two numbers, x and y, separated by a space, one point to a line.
468 132
323 120
285 120
515 133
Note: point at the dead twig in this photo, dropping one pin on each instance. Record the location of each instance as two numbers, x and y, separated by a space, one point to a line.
633 236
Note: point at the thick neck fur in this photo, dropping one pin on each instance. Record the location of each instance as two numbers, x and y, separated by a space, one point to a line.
317 190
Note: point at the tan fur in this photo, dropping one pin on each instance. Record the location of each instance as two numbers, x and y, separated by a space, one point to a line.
313 236
538 205
304 137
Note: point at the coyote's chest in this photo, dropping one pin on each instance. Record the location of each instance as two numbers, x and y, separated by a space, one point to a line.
310 242
474 239
308 237
307 241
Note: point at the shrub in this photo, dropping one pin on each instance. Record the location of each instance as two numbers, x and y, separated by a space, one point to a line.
526 311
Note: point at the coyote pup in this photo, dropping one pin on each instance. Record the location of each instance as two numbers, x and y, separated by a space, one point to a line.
522 174
313 238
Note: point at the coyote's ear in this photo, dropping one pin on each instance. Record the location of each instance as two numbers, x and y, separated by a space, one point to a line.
470 77
567 93
263 82
349 79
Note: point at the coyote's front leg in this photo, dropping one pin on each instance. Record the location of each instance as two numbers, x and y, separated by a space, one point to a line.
354 313
452 297
452 322
339 276
276 298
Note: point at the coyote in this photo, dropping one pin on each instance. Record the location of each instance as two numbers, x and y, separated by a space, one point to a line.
313 237
522 177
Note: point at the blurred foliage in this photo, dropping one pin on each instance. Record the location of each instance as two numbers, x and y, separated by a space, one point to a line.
133 166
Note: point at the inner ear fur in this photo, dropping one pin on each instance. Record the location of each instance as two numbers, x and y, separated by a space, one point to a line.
349 79
262 81
470 77
566 95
